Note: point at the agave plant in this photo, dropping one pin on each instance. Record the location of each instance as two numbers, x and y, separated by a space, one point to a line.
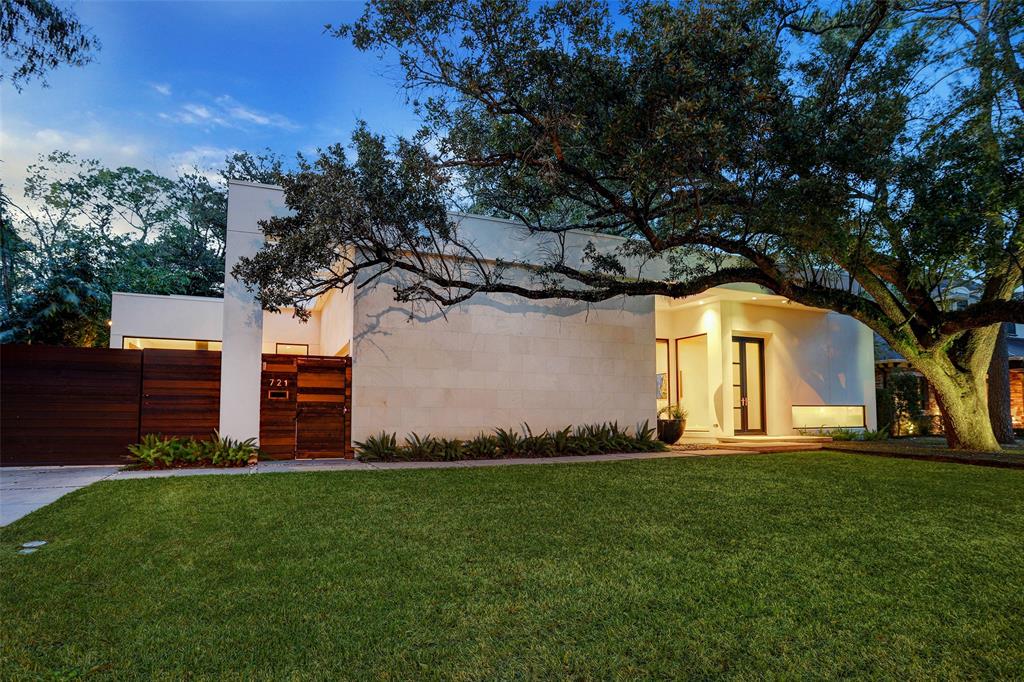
449 449
382 447
153 450
483 446
536 445
421 448
508 442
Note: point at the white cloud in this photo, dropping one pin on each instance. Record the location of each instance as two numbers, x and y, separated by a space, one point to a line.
21 145
242 113
226 112
162 88
204 159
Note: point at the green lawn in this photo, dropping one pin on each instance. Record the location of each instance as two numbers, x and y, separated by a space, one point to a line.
802 565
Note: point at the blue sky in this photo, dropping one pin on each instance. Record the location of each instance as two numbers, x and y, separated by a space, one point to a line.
183 83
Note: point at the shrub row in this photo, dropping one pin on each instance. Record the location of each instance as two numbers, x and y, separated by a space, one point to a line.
844 434
156 451
505 443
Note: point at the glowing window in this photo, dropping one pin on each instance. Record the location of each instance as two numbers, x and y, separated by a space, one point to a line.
141 343
828 416
293 349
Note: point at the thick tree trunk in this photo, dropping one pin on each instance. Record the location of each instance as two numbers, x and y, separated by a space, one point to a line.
999 391
958 374
965 415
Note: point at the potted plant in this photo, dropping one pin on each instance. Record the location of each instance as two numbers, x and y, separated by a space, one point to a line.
671 423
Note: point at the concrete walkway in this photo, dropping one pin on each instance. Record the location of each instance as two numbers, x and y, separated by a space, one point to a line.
25 489
298 465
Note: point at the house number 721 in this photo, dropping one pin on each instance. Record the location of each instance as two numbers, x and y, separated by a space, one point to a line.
278 382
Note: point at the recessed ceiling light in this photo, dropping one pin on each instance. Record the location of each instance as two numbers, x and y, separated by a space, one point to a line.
753 298
701 301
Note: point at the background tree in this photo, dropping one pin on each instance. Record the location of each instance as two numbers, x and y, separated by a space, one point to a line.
858 158
83 231
37 36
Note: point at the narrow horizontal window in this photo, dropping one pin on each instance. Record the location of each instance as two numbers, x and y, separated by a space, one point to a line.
142 343
828 416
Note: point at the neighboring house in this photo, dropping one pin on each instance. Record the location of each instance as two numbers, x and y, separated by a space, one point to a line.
741 361
889 362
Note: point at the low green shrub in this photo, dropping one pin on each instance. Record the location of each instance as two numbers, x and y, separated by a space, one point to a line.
880 434
159 452
842 434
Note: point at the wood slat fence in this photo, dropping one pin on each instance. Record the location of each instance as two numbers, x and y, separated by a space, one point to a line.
87 405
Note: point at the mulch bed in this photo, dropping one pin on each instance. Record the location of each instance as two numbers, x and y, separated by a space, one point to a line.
931 453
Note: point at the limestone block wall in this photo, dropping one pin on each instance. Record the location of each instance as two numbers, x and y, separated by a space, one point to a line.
499 360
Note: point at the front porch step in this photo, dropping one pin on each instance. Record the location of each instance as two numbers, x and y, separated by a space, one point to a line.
774 446
775 439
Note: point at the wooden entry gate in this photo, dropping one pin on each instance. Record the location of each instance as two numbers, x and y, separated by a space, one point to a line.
304 406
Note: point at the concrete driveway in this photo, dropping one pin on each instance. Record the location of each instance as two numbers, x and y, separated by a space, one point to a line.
25 489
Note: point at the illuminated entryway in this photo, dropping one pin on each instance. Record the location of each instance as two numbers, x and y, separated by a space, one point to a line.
745 363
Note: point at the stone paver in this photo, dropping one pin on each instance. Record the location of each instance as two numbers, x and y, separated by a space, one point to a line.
25 489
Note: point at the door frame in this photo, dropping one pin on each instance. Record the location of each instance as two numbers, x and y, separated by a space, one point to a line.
742 428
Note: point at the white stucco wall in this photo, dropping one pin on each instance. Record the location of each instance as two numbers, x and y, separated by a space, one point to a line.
497 361
165 317
283 327
335 315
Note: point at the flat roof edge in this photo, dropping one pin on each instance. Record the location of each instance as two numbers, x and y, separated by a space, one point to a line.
176 297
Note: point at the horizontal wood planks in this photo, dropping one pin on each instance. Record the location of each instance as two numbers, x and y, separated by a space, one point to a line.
87 405
277 406
304 406
68 405
180 392
323 418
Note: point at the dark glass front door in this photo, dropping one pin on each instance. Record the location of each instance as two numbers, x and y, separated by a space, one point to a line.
748 385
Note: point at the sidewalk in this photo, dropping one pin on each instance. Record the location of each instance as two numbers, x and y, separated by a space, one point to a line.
25 489
299 465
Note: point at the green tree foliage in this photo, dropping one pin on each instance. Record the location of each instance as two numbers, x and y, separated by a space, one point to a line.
37 36
83 231
857 156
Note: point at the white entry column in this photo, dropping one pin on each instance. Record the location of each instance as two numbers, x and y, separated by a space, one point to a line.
242 354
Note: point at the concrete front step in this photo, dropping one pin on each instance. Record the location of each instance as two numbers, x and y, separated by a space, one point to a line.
776 446
774 439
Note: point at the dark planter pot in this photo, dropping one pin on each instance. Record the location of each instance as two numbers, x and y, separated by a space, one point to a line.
670 430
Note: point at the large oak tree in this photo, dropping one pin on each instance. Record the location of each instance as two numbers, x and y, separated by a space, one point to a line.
862 159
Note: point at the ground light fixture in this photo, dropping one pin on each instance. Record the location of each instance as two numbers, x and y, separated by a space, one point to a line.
30 546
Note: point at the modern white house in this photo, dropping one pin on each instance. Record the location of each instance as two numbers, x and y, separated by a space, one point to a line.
738 359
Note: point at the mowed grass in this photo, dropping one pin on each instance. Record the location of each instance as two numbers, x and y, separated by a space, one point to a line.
804 565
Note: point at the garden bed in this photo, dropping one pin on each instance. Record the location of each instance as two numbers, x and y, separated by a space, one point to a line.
595 439
159 452
932 450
